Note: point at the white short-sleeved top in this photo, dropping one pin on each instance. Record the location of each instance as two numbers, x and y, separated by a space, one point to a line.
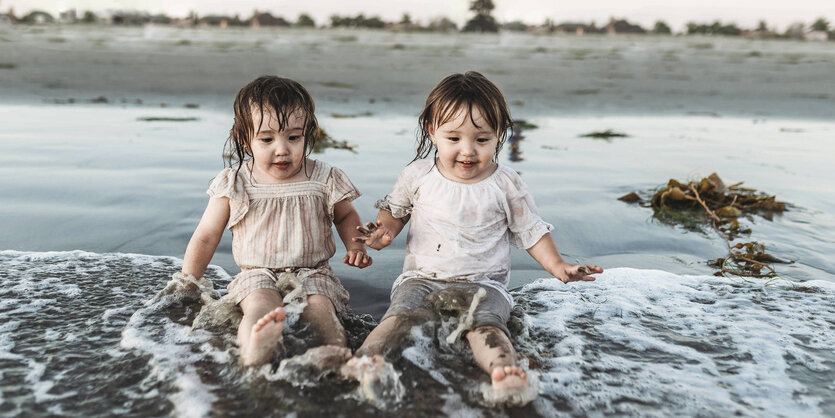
460 231
277 225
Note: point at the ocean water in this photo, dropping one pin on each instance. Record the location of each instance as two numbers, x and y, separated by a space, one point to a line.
95 219
84 335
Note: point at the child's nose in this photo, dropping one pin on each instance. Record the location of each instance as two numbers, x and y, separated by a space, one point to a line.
281 148
467 148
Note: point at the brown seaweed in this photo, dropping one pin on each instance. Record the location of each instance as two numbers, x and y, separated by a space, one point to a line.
710 203
606 135
325 141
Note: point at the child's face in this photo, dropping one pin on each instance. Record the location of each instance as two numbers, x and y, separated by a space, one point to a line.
465 151
278 154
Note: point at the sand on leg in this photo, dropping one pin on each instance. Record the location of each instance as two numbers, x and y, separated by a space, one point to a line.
259 333
495 355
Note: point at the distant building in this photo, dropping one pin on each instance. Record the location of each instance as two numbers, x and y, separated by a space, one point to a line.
67 16
759 34
575 28
220 21
128 18
9 17
816 35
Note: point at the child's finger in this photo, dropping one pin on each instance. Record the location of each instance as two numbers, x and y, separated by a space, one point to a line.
371 225
363 230
359 239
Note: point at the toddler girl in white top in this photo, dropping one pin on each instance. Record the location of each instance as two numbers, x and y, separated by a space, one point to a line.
280 206
466 210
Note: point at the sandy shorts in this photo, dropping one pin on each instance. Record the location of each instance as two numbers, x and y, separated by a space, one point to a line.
315 281
492 310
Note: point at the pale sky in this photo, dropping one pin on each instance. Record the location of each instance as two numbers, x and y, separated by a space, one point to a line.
745 13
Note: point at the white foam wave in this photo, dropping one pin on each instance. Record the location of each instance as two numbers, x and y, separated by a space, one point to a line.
40 386
717 344
6 342
172 359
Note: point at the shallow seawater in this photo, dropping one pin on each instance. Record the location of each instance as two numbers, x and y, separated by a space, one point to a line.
83 334
79 335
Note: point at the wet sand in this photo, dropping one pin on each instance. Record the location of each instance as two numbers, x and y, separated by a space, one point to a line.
383 72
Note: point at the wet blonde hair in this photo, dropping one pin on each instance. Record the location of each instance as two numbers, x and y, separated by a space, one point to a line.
463 92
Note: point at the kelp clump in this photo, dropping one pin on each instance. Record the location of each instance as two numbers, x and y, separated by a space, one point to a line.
325 141
709 202
710 197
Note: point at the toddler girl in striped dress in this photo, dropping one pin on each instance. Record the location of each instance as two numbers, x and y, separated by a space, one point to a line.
279 205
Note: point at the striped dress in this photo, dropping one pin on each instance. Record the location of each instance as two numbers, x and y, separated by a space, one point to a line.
282 225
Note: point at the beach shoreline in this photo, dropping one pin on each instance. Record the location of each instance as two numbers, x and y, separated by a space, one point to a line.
362 71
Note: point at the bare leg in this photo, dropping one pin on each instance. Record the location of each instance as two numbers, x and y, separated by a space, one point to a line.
367 364
260 331
376 340
321 316
495 355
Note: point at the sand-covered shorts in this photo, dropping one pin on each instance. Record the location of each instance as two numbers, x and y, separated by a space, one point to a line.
315 281
492 310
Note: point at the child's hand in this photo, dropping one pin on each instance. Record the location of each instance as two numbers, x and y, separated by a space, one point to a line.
375 235
357 258
575 273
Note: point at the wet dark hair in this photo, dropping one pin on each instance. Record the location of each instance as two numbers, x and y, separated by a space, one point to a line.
265 93
457 92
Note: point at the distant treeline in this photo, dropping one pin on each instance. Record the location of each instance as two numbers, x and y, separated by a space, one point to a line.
482 21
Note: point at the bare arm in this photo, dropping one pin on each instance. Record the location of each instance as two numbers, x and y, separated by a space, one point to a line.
347 220
204 242
381 233
545 253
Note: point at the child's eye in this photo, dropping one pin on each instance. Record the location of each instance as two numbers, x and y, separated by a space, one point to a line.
266 139
453 139
295 137
483 140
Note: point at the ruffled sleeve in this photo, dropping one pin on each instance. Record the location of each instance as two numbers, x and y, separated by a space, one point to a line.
399 201
339 188
523 220
228 184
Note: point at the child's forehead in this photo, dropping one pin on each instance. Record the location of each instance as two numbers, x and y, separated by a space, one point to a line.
267 116
462 115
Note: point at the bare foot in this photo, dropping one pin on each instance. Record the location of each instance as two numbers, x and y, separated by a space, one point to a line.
511 387
379 382
264 337
358 367
508 377
328 356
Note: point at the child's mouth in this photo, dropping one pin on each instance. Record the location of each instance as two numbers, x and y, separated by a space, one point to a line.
282 165
467 164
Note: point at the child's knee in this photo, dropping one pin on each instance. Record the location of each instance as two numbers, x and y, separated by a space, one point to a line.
320 302
261 298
